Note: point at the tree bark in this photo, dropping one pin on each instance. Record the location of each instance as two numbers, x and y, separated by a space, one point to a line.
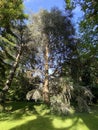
12 72
46 81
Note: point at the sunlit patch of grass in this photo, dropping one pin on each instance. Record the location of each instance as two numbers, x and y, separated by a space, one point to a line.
59 123
70 124
8 124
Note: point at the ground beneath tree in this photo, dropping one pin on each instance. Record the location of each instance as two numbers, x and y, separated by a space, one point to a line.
29 116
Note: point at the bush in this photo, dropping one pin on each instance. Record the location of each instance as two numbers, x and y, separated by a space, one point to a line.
58 106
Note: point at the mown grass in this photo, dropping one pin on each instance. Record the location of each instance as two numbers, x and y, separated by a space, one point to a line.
28 116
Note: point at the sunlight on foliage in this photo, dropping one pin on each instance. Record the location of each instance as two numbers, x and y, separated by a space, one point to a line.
3 39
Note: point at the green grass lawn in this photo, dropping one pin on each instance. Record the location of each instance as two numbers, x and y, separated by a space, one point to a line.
27 116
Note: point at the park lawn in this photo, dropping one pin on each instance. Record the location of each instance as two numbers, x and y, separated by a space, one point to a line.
27 116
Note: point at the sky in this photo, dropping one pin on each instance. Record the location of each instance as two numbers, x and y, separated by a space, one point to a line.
35 5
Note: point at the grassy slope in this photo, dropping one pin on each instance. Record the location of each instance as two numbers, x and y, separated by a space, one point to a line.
25 116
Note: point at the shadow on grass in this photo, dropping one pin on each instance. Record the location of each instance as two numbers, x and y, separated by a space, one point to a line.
79 121
17 110
47 122
91 120
42 123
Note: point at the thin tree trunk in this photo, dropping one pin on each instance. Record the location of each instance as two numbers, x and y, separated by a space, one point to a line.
46 81
12 72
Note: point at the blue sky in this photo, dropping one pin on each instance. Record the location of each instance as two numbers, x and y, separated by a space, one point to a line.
36 5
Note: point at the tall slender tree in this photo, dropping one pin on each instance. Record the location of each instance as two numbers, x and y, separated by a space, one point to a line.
51 31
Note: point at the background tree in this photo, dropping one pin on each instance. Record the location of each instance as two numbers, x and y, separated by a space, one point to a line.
87 48
11 17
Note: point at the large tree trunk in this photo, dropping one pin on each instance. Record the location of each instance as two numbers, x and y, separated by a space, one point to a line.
12 72
46 81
